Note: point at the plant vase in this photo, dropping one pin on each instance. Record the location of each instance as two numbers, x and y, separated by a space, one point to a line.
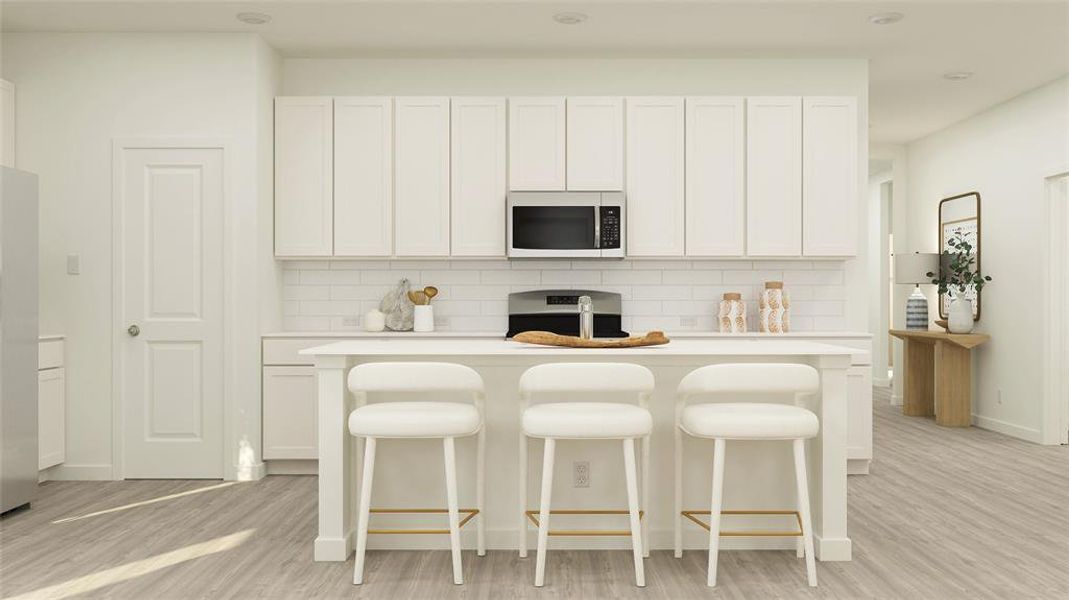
959 317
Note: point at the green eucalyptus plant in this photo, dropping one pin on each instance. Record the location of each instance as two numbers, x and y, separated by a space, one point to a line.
956 272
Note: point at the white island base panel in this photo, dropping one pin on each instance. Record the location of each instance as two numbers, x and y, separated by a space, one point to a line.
410 473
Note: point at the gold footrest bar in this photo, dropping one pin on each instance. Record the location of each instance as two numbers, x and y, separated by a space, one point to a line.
532 515
690 515
470 512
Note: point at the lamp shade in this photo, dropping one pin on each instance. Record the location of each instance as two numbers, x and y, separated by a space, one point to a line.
914 268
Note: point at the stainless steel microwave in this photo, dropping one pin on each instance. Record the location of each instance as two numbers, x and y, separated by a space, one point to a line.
566 225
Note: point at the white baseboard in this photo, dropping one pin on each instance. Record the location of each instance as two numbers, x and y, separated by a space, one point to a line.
857 466
253 472
69 472
292 467
1007 428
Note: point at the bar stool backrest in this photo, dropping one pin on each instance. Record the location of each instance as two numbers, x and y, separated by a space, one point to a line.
565 378
751 378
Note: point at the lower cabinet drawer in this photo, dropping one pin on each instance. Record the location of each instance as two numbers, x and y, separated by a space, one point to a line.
289 417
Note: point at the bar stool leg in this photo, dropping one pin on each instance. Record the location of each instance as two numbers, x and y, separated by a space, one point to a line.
632 507
522 512
679 493
480 492
543 510
714 511
803 507
365 509
646 496
451 502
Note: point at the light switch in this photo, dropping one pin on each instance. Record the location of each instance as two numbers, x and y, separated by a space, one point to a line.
74 264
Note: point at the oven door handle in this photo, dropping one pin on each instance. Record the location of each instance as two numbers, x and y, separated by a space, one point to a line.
597 228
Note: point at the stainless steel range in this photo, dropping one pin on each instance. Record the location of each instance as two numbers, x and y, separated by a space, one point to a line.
558 311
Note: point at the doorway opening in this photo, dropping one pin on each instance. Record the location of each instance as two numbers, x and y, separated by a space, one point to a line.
1056 405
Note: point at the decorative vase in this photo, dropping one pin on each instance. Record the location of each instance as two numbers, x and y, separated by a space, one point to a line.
960 315
917 310
732 314
423 319
774 308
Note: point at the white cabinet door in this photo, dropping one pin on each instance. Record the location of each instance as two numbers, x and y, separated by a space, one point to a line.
363 176
655 182
774 176
289 419
478 177
7 124
536 143
304 196
421 176
830 179
595 143
716 176
859 412
51 417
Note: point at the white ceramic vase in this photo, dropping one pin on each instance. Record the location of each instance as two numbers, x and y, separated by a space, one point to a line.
959 317
423 320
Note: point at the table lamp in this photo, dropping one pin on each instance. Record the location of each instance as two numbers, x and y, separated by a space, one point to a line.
915 268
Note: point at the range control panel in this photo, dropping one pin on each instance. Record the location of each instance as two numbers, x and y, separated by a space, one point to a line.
610 226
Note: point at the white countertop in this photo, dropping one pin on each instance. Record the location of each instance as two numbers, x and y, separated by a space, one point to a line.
808 335
501 347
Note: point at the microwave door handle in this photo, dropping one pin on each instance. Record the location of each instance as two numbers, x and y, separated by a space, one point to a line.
597 228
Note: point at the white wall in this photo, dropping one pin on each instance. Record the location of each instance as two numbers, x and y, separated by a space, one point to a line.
1004 154
632 76
77 93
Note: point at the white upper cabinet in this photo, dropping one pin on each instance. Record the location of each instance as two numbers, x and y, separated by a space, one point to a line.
363 176
478 177
421 176
716 176
537 143
774 176
595 143
304 152
7 124
655 176
830 179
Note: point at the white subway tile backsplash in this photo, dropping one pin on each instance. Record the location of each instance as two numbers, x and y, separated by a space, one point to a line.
657 294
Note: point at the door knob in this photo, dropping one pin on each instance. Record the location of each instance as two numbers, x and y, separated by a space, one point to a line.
133 330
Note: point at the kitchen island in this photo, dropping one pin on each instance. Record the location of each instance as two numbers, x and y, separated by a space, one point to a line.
411 473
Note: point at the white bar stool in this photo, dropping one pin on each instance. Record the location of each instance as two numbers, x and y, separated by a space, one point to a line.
586 421
414 420
746 421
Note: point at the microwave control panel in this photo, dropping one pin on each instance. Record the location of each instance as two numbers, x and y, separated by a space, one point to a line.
610 226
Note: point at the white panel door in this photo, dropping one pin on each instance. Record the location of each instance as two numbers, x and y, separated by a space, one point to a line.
537 143
830 178
289 423
171 216
51 417
655 176
7 124
304 154
716 176
363 176
774 176
595 143
421 176
478 177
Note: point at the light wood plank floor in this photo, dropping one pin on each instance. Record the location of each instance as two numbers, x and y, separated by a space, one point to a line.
946 513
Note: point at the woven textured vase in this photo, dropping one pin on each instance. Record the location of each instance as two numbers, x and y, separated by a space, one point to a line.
732 314
774 310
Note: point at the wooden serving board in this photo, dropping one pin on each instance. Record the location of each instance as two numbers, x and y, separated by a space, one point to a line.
547 338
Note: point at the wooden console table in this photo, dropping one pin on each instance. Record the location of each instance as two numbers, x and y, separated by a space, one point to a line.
938 375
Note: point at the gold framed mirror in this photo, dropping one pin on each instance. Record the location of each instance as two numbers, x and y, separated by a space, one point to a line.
960 215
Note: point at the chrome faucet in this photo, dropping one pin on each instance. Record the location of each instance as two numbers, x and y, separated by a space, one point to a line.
586 318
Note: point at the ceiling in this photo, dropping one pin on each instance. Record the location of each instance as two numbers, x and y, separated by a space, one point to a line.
1011 46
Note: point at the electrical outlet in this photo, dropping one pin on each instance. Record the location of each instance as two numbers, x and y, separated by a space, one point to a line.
687 321
351 321
581 474
999 398
74 264
441 321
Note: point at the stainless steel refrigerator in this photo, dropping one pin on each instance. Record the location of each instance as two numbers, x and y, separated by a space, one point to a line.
18 338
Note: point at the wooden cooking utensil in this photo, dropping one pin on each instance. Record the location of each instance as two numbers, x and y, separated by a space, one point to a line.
430 291
547 338
418 298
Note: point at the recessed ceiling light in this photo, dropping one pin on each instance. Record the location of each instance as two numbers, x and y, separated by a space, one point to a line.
254 18
886 18
569 18
957 75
